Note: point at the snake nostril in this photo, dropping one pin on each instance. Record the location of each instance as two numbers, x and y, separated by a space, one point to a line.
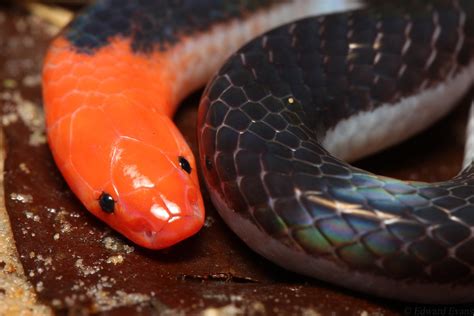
193 204
150 235
192 195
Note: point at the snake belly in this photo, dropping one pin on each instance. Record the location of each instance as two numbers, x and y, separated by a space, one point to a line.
278 113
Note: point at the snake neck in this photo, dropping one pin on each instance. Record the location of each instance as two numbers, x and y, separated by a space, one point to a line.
144 58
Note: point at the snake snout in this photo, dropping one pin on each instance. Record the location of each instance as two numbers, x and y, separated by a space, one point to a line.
184 221
166 222
175 229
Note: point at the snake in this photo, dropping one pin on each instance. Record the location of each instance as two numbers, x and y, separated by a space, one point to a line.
298 89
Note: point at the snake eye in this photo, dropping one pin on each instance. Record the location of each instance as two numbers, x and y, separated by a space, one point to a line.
184 164
107 203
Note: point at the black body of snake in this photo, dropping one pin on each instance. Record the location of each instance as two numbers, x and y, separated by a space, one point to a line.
346 84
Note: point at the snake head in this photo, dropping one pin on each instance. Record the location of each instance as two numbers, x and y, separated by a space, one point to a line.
156 197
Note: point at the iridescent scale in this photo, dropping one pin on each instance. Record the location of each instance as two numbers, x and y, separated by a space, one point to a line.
263 119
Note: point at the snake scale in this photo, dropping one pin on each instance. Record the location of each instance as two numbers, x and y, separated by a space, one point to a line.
271 123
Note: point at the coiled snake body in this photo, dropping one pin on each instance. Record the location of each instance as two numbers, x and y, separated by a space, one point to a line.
270 121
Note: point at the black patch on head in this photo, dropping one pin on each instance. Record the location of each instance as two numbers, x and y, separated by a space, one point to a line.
184 164
107 203
152 24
